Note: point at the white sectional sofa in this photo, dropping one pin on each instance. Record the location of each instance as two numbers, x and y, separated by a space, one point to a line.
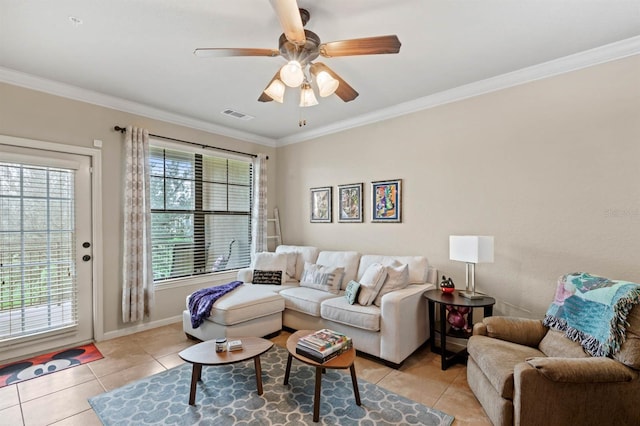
391 329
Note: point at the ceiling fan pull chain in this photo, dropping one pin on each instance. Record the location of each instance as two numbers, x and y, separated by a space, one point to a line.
302 121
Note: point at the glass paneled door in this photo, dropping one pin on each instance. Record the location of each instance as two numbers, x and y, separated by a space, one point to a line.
45 251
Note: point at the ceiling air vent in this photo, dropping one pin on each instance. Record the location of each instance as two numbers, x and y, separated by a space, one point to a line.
236 114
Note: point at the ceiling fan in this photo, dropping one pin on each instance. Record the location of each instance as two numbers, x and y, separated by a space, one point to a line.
300 48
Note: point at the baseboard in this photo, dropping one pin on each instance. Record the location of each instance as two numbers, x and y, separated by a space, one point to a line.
140 327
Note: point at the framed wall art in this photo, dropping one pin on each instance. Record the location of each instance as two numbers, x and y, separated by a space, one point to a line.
350 203
386 201
321 204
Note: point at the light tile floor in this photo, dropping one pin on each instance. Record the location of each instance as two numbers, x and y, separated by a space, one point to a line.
61 398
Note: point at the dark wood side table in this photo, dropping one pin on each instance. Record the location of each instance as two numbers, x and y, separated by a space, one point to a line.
444 299
341 362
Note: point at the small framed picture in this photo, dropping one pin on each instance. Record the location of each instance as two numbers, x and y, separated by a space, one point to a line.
386 201
321 205
350 203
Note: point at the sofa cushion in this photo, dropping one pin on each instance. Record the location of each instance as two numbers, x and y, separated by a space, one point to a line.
325 278
371 282
418 265
303 254
397 279
305 300
351 293
276 288
266 261
339 310
245 303
629 353
497 359
347 259
556 344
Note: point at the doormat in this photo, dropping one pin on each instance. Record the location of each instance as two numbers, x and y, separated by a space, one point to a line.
41 365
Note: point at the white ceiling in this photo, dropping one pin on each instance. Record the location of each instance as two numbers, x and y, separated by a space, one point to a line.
139 54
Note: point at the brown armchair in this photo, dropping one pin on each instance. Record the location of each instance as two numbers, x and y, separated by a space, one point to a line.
526 374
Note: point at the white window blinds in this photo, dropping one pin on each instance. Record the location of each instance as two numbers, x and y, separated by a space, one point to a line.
37 250
200 212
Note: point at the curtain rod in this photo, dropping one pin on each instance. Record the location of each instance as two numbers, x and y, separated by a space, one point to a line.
123 129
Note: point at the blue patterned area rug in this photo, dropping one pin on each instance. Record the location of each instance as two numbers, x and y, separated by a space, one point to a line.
227 396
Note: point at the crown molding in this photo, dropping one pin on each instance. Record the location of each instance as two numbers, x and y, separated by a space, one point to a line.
29 81
588 58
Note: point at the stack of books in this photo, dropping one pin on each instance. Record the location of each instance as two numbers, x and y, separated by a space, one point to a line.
234 345
323 345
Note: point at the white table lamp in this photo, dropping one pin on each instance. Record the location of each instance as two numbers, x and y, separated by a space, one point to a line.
471 249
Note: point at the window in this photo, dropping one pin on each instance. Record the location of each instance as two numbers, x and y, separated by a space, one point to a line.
200 213
37 260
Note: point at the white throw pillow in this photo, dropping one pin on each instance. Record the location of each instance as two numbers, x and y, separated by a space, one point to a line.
266 261
397 278
370 283
325 278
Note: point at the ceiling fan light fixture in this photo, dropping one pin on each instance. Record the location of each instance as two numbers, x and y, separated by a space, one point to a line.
307 97
276 90
291 74
327 85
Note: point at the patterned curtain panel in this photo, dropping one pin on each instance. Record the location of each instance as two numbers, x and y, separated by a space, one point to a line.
259 211
137 282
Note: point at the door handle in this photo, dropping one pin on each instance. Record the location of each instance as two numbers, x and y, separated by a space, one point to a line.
86 258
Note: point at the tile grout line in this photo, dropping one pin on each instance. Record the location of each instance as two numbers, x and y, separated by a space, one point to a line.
20 404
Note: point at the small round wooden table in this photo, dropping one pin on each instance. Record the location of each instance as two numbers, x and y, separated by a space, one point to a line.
341 362
205 354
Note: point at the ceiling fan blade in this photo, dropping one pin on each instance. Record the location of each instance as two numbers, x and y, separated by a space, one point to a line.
290 20
361 46
344 91
263 96
221 52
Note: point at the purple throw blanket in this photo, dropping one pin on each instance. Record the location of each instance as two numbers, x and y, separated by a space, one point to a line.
201 301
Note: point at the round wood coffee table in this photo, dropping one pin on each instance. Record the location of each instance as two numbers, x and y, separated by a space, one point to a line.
341 362
205 354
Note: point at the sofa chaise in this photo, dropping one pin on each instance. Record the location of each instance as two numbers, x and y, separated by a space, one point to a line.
387 318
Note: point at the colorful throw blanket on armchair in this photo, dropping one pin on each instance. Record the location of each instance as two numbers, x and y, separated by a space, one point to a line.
201 301
593 311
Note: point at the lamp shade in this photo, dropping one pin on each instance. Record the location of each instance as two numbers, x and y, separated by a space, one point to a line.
291 74
275 90
327 85
471 248
307 97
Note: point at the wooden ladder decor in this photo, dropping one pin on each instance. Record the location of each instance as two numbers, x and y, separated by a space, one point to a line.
278 233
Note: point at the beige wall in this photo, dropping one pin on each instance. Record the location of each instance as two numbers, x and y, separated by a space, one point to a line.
550 168
35 115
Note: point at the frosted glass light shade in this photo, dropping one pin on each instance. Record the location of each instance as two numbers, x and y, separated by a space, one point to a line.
291 74
307 97
471 248
327 85
275 90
